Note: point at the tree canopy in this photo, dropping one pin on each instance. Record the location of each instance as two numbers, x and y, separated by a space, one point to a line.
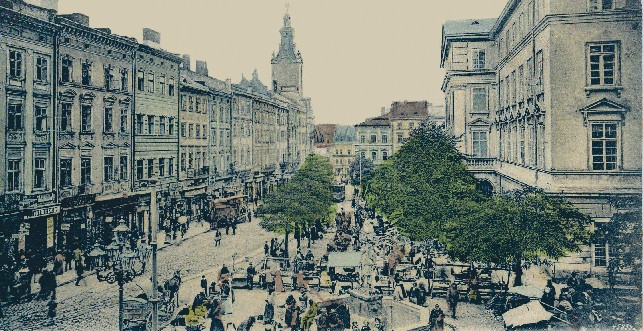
301 201
427 192
361 166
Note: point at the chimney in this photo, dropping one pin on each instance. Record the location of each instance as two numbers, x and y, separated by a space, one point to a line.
151 37
79 18
383 110
47 4
228 84
186 61
202 68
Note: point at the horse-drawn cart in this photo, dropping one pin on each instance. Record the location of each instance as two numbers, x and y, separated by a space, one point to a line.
137 314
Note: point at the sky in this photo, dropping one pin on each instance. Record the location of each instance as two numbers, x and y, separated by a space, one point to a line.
359 55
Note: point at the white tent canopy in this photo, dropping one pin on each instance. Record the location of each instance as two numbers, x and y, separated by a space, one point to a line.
530 313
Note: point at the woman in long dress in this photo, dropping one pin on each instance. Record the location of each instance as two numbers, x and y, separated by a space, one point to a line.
279 282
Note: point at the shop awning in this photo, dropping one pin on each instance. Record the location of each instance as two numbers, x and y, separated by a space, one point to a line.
344 259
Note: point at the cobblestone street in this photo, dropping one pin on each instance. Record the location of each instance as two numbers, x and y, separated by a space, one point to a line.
94 305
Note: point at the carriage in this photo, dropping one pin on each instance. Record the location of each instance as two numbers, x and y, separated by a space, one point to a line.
137 313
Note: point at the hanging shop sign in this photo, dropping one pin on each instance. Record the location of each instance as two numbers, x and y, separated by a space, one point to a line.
50 232
44 211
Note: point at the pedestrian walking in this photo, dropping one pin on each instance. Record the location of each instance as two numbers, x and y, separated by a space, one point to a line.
227 227
80 269
78 256
266 249
217 238
59 263
51 308
234 228
268 311
436 319
204 284
250 274
452 298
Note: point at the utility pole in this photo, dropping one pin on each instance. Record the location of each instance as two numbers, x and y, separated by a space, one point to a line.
153 243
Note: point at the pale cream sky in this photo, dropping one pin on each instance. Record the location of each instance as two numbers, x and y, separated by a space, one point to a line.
359 55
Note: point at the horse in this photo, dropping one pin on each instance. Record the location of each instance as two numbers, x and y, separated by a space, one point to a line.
172 285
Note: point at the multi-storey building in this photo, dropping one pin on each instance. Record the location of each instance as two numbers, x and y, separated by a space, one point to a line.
548 96
93 125
342 155
379 137
94 132
194 119
156 112
28 206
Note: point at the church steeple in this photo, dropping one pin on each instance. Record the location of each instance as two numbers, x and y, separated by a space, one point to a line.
287 64
287 48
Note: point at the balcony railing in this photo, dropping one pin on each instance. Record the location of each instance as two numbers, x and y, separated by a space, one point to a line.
481 163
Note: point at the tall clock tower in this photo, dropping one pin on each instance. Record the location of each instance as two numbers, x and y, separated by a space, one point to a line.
287 64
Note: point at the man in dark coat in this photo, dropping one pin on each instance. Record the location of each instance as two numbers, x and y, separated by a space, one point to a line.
436 319
250 274
452 298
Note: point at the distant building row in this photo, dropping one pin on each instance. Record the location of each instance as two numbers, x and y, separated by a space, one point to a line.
92 121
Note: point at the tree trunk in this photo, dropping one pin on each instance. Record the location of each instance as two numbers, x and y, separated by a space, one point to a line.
518 271
286 244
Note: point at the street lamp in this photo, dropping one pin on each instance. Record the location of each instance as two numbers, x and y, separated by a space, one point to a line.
120 259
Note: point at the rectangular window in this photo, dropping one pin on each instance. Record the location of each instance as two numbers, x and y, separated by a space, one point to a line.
400 139
602 63
373 156
140 80
150 168
479 99
124 79
191 160
183 130
150 124
13 175
190 130
170 126
170 88
170 167
521 82
40 112
123 166
384 155
190 103
162 125
479 140
39 171
139 124
161 167
66 70
598 5
109 78
513 87
86 73
65 172
139 169
108 120
85 170
373 139
539 71
42 69
384 140
15 64
86 118
479 59
15 116
65 117
150 82
604 146
198 105
108 168
198 131
124 117
183 157
161 85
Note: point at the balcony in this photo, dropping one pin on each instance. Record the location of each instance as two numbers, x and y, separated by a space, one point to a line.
70 191
476 164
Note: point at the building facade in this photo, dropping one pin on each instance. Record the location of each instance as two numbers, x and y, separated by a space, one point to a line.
95 122
94 132
548 96
28 204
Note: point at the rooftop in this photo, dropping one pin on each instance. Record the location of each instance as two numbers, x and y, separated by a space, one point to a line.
468 27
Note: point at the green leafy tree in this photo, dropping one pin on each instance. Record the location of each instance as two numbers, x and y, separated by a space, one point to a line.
361 167
302 201
622 234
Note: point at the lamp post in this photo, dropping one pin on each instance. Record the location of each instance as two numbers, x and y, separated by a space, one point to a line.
120 256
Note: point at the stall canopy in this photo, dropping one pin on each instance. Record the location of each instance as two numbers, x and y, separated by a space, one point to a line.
530 313
528 291
344 259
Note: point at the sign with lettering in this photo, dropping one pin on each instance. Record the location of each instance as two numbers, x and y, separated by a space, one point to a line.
44 211
65 226
50 232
